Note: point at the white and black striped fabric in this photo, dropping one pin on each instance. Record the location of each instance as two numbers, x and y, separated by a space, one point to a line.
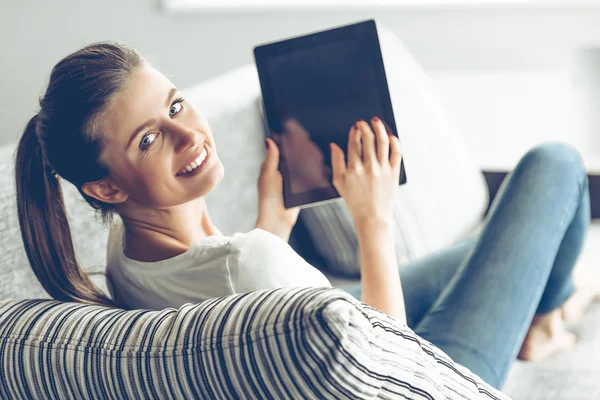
298 343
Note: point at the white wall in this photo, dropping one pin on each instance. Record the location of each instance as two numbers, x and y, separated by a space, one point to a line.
501 71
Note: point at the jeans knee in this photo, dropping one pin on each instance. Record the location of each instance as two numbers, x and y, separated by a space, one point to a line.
558 159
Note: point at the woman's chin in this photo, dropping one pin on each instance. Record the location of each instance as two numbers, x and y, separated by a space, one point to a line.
221 169
212 180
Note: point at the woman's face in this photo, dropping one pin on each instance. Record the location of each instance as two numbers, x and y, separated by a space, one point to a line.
153 138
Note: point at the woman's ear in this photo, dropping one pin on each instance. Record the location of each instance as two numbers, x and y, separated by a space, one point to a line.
105 191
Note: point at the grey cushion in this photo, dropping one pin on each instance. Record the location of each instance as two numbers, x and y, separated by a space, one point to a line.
302 343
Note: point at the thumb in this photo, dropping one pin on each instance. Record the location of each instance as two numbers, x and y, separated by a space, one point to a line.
272 157
338 164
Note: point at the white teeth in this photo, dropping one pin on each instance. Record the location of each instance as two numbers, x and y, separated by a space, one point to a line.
196 163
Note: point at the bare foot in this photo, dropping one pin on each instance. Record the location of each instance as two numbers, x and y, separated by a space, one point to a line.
546 336
587 290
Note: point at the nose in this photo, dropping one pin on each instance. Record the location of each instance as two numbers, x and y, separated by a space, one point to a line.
181 136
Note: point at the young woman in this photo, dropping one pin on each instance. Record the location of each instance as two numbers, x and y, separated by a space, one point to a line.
120 131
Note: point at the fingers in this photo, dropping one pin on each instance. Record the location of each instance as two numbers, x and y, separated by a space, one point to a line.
354 147
383 142
396 155
271 161
337 164
368 143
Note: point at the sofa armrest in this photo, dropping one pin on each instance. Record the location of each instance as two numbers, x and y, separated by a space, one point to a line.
283 343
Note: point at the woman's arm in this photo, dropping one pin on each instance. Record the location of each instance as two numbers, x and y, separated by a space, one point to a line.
368 182
381 286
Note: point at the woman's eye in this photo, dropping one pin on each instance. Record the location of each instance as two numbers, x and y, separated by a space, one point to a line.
175 108
147 140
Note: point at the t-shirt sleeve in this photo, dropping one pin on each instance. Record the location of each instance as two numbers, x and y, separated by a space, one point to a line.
260 260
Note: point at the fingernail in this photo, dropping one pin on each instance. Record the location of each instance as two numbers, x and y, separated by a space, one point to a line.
266 144
376 119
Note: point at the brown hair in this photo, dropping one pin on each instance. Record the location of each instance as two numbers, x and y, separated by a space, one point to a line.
65 139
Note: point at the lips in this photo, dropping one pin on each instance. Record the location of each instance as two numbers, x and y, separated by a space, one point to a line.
195 162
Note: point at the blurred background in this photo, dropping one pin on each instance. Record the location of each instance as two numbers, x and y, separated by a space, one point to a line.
512 73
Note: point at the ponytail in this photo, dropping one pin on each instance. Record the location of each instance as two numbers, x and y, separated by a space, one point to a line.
44 226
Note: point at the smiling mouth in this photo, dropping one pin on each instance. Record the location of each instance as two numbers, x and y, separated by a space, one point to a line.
195 164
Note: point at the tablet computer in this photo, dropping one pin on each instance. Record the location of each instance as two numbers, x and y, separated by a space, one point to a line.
314 88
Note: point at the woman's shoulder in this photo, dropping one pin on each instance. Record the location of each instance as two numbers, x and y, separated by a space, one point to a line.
263 249
260 259
257 240
257 234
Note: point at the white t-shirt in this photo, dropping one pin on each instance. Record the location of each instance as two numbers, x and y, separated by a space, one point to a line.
216 266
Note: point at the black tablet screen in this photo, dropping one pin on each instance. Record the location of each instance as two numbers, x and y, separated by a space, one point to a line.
318 93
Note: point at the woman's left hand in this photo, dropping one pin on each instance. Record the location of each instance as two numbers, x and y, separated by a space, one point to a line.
272 215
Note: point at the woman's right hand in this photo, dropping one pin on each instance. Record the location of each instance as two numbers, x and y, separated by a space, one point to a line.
368 182
369 178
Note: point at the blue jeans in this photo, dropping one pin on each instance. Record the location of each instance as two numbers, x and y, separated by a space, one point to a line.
475 300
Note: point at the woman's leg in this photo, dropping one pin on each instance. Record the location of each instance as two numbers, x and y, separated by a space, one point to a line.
521 262
424 279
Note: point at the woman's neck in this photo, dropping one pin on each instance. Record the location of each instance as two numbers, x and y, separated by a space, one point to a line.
154 235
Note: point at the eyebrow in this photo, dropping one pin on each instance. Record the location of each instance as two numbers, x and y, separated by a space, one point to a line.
150 121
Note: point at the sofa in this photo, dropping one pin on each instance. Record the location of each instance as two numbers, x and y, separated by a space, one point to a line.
283 343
